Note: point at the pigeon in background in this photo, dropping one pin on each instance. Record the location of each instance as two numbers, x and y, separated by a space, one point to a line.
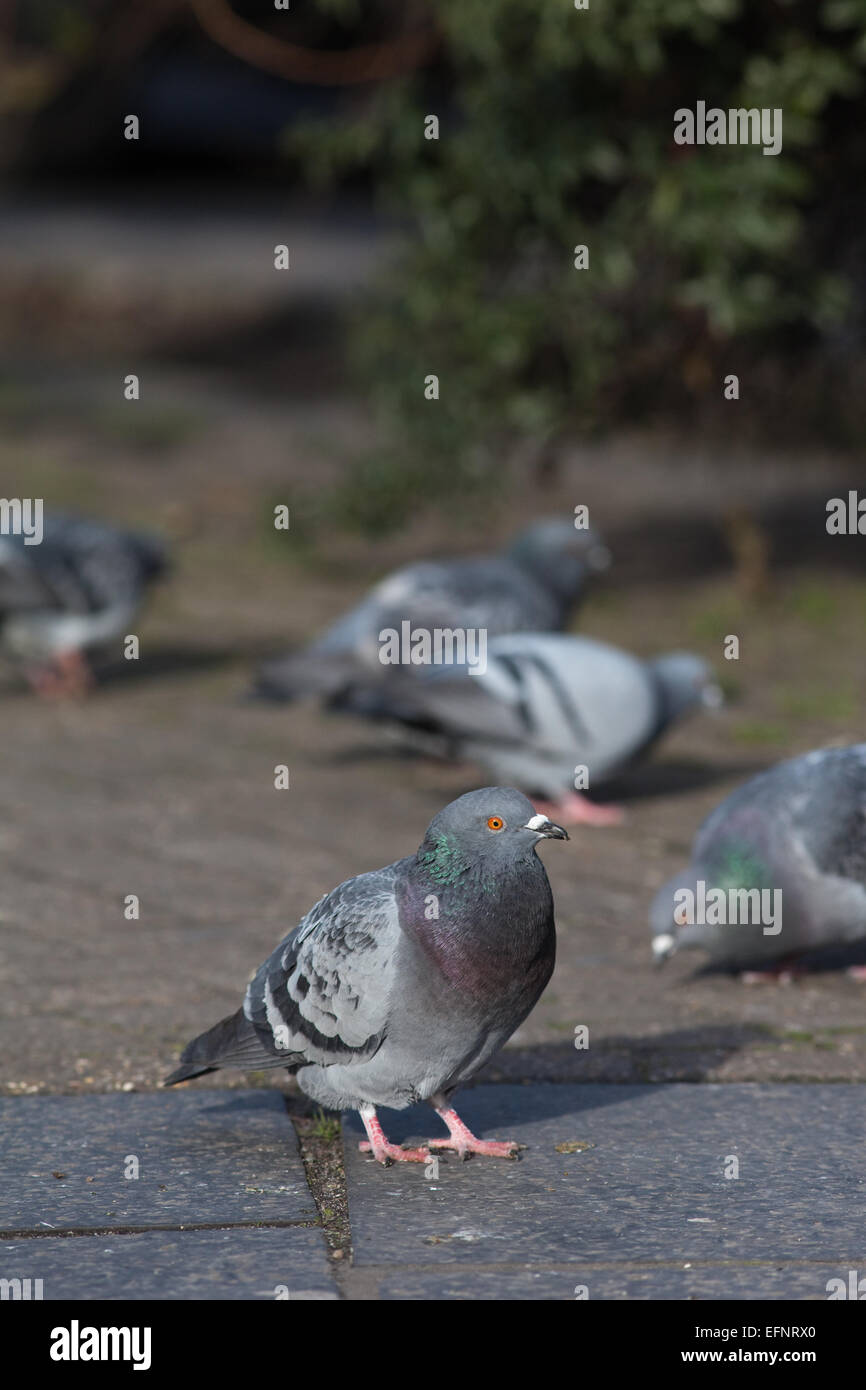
533 586
547 705
77 590
788 852
398 985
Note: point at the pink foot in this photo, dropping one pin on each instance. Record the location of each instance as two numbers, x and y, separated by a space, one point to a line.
387 1153
68 675
492 1148
464 1143
857 972
42 681
381 1148
575 809
781 975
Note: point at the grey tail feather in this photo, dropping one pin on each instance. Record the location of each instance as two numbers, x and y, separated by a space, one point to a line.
399 700
187 1073
152 552
230 1043
301 673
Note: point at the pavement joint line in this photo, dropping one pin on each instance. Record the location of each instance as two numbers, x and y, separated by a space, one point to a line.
557 1267
792 1079
76 1231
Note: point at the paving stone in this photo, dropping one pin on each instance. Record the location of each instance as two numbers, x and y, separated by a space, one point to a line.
650 1186
205 1158
244 1263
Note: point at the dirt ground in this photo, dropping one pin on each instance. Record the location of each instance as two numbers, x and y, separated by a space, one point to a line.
162 784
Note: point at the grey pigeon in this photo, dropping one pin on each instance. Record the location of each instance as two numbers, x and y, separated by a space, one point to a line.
398 985
78 589
546 705
533 586
778 869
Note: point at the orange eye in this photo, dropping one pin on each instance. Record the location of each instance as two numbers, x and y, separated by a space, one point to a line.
495 823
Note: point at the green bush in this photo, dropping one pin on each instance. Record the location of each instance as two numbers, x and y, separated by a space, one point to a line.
556 129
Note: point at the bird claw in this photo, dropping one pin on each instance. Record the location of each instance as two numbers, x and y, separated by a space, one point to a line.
489 1148
781 975
387 1154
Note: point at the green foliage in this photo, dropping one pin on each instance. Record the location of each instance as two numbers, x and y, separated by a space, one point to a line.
556 129
813 603
154 428
325 1127
758 732
819 703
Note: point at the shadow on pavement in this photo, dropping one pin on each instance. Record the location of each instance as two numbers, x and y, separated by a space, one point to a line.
685 1054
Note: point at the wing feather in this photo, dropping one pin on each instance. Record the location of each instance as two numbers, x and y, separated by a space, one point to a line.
323 995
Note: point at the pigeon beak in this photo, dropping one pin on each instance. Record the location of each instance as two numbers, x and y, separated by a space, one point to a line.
712 696
599 559
664 946
546 828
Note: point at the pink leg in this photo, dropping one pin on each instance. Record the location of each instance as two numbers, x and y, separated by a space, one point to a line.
575 809
382 1150
464 1142
42 680
75 673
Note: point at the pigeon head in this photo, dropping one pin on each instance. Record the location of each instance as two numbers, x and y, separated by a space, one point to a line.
559 555
716 902
483 831
684 682
685 912
670 932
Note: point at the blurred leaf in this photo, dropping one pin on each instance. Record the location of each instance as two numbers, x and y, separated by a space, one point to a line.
556 129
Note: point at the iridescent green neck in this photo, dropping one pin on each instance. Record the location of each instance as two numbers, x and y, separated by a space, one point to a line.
740 866
443 860
445 864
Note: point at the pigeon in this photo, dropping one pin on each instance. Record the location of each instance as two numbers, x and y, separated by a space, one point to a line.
75 590
533 586
400 983
547 706
778 869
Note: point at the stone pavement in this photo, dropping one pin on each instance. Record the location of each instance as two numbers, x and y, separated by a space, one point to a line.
622 1192
216 1205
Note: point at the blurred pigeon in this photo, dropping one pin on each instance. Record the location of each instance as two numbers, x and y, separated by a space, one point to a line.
546 705
77 589
777 870
398 985
533 586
